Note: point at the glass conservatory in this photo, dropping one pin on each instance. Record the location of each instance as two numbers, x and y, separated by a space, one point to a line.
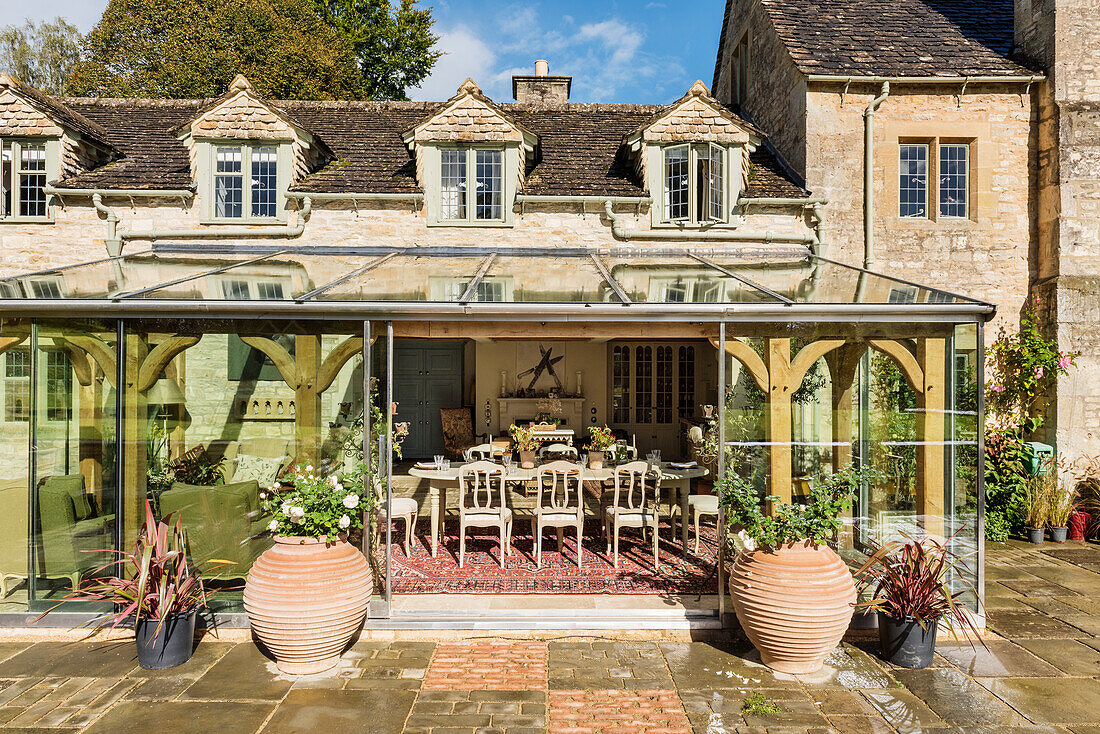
194 379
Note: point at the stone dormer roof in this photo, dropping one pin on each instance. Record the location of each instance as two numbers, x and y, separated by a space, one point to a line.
892 37
580 150
696 117
23 107
469 116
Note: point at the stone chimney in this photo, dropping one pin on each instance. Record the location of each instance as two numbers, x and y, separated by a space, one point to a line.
541 89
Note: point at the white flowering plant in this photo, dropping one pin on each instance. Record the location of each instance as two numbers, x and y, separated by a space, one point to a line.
318 506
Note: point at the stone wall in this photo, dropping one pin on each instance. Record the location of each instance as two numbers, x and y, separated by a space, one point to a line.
984 256
776 99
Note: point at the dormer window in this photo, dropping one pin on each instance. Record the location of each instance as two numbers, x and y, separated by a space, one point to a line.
695 183
237 196
25 168
477 170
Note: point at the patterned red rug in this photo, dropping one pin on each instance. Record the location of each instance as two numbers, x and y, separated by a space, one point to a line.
680 573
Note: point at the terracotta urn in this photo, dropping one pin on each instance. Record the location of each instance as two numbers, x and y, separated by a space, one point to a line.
794 603
527 459
306 598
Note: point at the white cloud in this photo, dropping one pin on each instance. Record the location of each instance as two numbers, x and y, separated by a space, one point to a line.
464 55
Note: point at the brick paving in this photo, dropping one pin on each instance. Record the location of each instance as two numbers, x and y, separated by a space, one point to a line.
1038 674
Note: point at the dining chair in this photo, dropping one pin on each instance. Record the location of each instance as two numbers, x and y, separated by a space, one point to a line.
559 504
481 504
483 452
559 449
401 508
631 507
700 505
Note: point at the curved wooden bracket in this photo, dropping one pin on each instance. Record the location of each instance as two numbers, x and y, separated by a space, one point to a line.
807 356
78 358
278 354
159 357
910 368
752 361
10 342
100 352
335 361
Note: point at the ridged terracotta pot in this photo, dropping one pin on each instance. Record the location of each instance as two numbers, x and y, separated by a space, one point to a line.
305 599
794 603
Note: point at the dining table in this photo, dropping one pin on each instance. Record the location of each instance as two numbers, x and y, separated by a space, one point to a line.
674 478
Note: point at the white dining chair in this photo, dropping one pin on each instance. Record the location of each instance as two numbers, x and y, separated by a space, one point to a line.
632 508
559 504
559 449
702 505
401 508
483 452
481 504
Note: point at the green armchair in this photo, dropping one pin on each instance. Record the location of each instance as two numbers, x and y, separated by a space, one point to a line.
13 535
223 522
71 528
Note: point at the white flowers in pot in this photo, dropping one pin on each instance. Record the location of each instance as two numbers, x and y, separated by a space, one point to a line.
318 506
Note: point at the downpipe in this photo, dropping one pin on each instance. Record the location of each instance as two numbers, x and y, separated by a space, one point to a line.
290 231
868 176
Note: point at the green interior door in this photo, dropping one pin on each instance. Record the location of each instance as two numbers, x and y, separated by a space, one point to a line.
427 376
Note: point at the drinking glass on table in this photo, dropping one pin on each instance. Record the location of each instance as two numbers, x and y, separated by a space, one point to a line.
445 464
506 460
438 458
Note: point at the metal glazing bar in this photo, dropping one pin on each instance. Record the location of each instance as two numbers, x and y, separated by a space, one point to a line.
609 279
471 289
65 268
196 276
726 271
900 280
344 278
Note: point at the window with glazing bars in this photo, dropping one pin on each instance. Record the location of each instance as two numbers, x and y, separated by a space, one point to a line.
620 385
695 183
17 386
59 387
686 386
913 180
23 179
486 183
233 199
953 179
643 385
663 386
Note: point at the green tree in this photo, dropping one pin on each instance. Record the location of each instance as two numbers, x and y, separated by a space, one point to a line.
193 48
40 54
393 42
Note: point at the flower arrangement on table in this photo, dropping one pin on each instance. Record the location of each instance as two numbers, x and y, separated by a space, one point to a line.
523 438
318 506
600 439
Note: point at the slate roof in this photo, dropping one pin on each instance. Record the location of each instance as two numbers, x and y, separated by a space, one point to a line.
58 111
895 37
580 147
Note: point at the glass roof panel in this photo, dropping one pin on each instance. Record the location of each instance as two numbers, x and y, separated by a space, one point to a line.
439 277
659 279
816 280
279 276
109 278
563 279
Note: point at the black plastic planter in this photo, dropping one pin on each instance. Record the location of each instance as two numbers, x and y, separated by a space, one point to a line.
1035 535
168 647
1058 535
905 642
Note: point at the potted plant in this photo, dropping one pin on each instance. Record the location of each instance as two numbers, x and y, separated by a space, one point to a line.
525 443
600 439
1036 505
307 595
792 594
1059 508
156 588
912 592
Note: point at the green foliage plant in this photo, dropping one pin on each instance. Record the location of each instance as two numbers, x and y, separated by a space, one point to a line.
600 438
40 55
757 704
392 42
320 506
194 48
818 520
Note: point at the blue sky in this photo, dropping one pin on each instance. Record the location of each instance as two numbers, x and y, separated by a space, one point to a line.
643 51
